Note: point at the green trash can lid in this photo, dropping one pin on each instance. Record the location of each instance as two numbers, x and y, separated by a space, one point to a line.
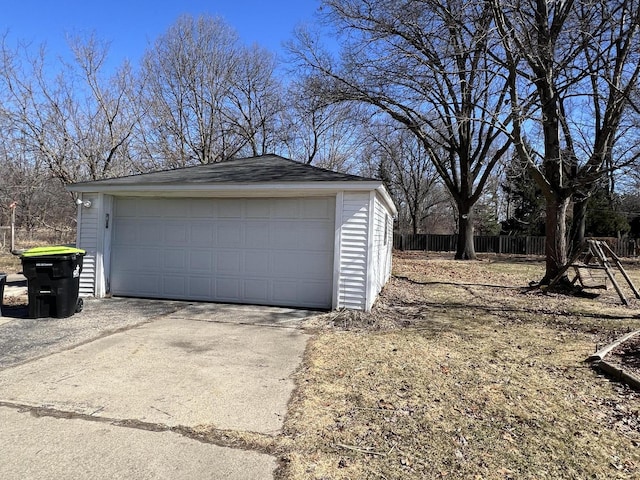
54 250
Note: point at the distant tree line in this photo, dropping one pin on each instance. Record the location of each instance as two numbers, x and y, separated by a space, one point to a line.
485 116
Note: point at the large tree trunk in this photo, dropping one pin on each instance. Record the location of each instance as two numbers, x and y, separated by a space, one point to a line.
578 223
556 237
465 249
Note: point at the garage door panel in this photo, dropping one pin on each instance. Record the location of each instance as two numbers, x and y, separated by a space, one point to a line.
308 293
174 286
287 292
200 260
284 235
229 234
229 262
258 208
284 291
257 234
228 289
284 209
146 207
147 285
179 208
201 208
175 260
176 233
127 207
317 208
314 236
314 266
256 290
137 259
257 263
145 259
264 251
200 288
285 264
301 265
229 208
126 260
127 230
148 232
201 234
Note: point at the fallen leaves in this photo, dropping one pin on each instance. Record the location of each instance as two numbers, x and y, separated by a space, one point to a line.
463 378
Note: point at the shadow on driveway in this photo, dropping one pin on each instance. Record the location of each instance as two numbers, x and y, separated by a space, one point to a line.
23 339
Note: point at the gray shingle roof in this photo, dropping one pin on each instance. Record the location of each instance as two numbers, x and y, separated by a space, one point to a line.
263 169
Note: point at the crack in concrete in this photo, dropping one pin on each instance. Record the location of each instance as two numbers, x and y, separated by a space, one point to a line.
249 324
249 441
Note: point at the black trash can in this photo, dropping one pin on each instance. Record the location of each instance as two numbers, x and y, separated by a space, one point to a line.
53 280
3 280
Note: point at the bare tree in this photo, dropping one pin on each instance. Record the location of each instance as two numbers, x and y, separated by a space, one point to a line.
27 182
256 101
329 135
397 158
189 72
78 122
427 65
573 66
209 98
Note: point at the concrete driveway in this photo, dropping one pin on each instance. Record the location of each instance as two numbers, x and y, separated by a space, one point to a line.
119 390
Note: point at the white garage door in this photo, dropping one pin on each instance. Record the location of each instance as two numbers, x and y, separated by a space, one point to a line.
271 251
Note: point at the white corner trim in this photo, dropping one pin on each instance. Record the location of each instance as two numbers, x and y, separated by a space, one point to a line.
337 250
370 289
99 278
79 223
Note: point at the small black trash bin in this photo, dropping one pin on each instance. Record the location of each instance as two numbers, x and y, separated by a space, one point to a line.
53 280
3 280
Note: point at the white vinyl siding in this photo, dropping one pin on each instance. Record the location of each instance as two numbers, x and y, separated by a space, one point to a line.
271 251
87 239
354 238
380 269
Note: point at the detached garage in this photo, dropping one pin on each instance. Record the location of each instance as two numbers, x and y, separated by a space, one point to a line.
262 230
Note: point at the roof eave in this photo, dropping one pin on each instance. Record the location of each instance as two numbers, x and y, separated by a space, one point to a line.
387 199
207 189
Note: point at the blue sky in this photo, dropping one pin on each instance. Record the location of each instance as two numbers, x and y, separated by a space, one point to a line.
132 25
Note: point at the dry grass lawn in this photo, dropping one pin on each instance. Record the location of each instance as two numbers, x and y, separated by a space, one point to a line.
9 263
459 373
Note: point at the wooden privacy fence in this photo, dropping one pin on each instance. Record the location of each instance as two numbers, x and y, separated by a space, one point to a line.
501 244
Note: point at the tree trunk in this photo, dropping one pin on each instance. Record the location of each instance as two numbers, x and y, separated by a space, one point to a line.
465 249
576 237
556 237
414 223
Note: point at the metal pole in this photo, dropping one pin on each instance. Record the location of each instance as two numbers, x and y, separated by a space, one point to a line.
13 226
